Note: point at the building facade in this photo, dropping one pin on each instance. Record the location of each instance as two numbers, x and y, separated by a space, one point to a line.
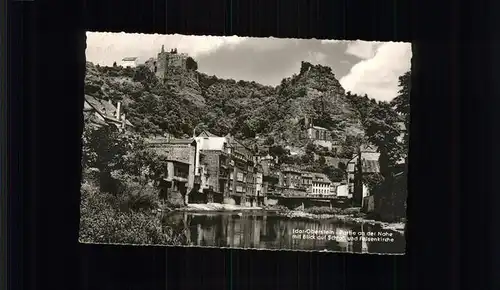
291 177
307 179
214 175
320 136
321 185
129 62
181 157
259 179
228 168
241 181
270 176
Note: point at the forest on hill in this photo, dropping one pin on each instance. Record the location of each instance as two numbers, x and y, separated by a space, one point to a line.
190 99
256 114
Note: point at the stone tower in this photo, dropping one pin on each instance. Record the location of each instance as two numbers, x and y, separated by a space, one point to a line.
161 63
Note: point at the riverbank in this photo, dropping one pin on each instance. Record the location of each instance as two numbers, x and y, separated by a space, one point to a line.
347 215
344 217
216 207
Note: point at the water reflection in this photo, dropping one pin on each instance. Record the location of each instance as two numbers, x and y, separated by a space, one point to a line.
269 231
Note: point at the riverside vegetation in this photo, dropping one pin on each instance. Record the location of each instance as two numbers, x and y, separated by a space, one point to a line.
120 203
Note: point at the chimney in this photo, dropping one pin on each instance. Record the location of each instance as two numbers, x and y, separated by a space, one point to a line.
118 110
123 120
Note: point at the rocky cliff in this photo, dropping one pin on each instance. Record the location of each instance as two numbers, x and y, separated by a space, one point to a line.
250 111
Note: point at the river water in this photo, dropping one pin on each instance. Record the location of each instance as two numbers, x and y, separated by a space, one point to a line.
265 230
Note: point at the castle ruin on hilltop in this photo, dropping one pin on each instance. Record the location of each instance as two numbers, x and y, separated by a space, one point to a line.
166 60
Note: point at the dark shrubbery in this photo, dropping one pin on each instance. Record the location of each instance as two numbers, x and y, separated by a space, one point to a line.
119 204
124 219
102 221
320 210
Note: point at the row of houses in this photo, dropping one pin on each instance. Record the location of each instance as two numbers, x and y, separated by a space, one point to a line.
210 168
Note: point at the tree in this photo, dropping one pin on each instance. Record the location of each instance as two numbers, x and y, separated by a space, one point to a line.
146 164
278 151
114 64
334 174
104 147
383 131
143 75
191 64
402 104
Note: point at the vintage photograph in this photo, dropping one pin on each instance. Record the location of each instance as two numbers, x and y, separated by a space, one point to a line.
249 143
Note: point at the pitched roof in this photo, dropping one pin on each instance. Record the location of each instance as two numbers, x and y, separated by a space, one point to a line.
96 104
132 58
182 141
368 148
92 119
103 108
167 148
320 177
205 133
168 141
306 174
110 109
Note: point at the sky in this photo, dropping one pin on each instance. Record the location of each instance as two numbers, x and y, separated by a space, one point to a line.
362 67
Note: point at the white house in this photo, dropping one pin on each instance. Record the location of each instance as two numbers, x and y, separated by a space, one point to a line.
343 191
129 62
321 185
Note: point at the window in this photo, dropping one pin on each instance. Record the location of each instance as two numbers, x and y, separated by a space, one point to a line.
231 175
240 176
317 134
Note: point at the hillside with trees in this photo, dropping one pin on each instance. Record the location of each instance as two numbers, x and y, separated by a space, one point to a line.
189 99
260 116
